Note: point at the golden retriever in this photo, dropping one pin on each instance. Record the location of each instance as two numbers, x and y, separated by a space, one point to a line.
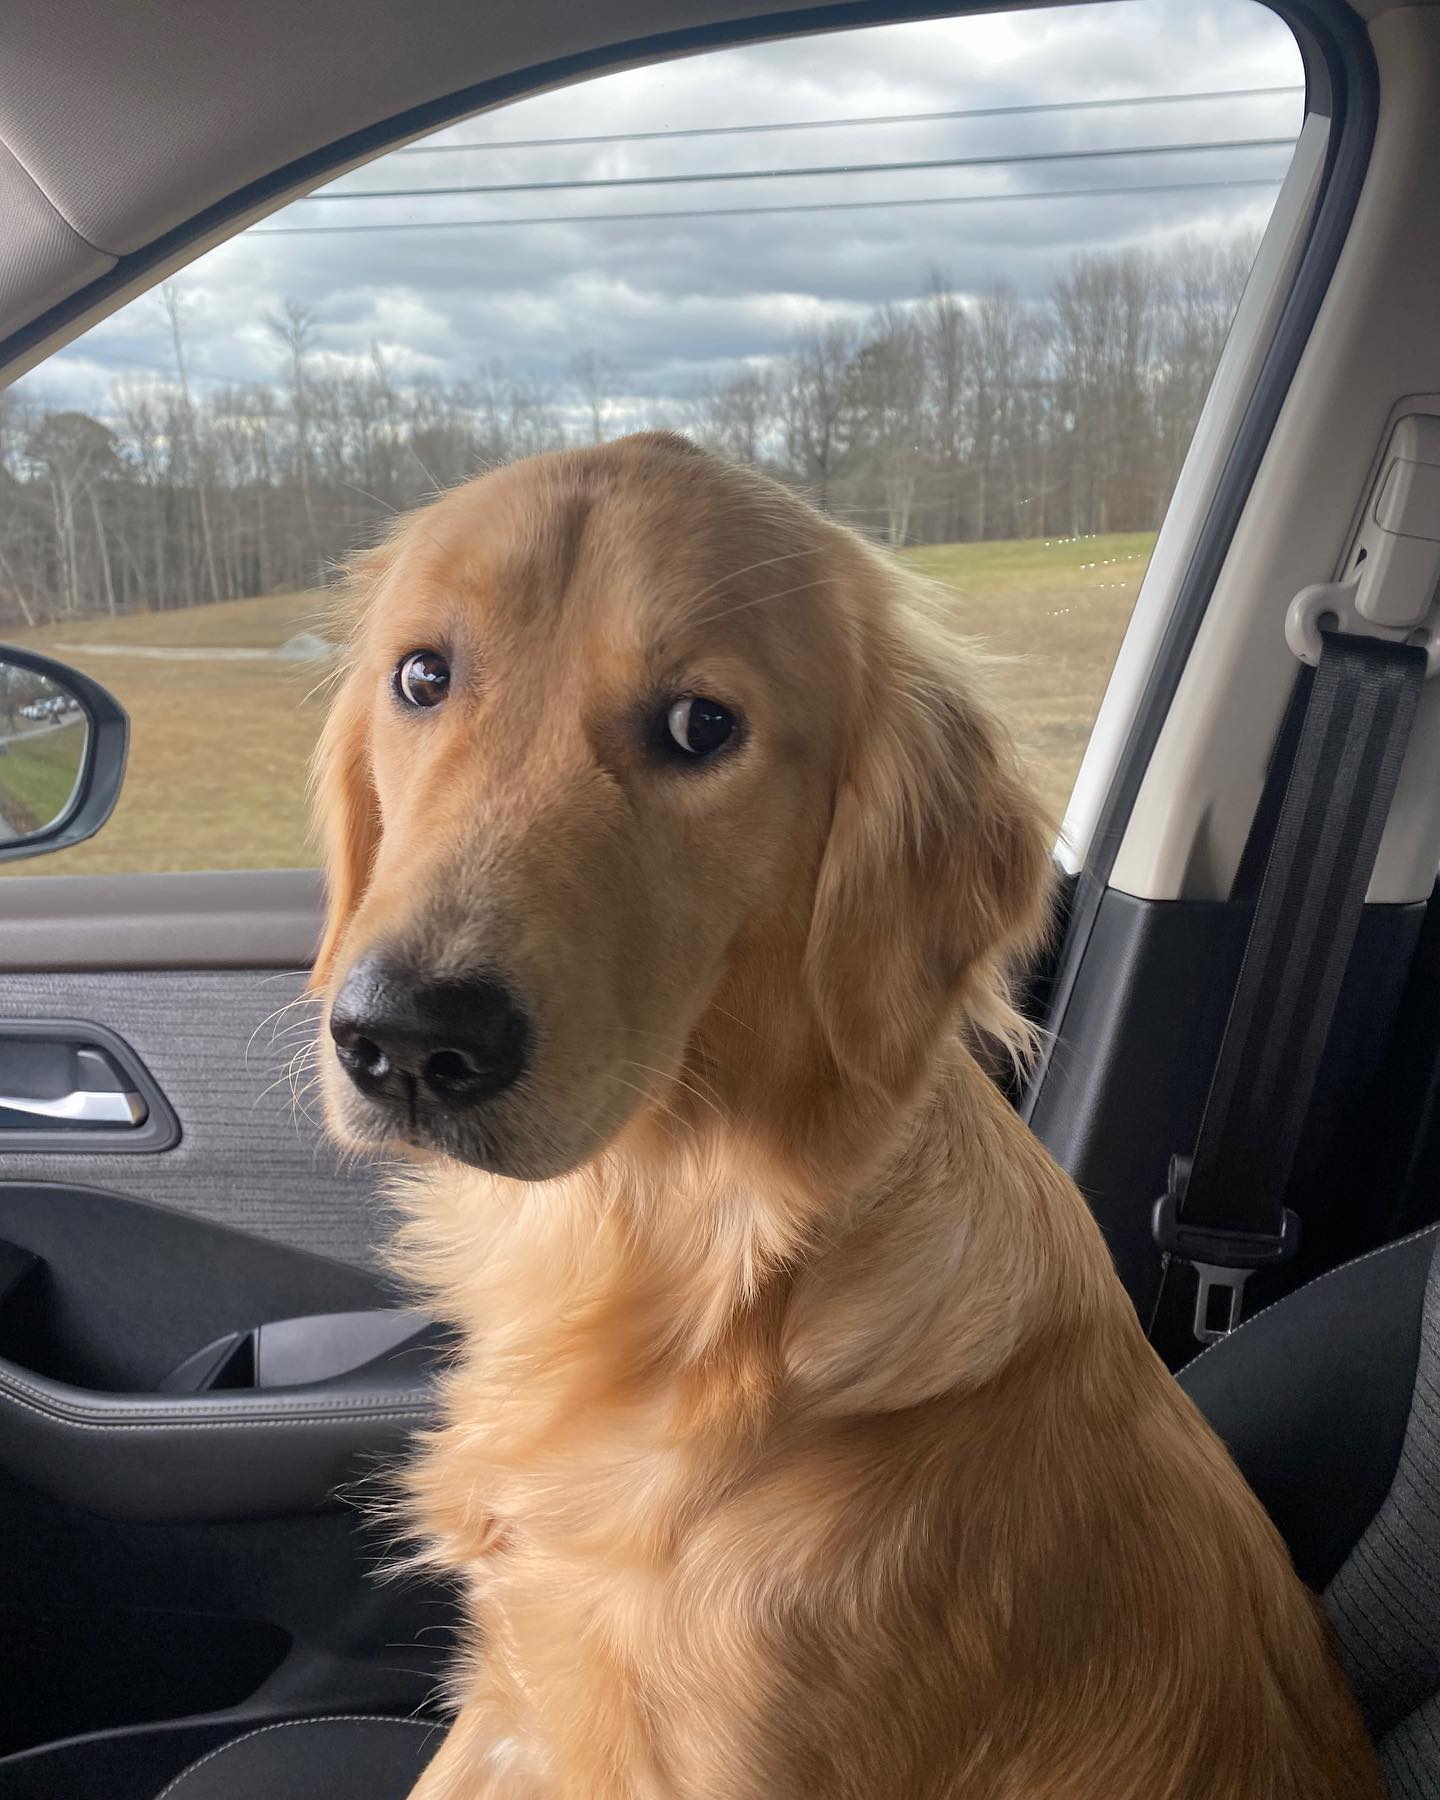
803 1441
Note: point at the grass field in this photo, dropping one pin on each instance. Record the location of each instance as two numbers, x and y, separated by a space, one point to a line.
219 745
37 775
1057 610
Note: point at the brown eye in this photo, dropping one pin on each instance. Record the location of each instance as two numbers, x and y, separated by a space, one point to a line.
423 678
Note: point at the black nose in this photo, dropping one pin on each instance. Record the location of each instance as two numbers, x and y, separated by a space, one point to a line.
402 1038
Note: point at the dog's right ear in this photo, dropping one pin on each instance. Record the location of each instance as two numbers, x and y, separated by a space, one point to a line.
349 817
343 792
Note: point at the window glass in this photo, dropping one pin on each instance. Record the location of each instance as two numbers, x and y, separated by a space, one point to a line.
964 282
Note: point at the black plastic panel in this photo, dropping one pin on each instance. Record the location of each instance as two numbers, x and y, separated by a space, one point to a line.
355 1644
129 1290
1126 1080
118 1395
57 1679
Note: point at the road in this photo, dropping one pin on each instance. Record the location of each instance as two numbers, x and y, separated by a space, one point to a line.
35 731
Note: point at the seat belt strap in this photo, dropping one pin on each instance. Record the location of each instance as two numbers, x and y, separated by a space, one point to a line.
1223 1213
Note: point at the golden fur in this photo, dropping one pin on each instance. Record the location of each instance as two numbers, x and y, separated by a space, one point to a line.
804 1442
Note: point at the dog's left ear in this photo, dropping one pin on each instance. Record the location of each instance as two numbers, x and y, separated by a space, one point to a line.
936 870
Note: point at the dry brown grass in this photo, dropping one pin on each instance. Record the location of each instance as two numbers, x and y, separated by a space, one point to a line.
1059 610
219 747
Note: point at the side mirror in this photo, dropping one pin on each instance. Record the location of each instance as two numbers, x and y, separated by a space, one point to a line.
62 754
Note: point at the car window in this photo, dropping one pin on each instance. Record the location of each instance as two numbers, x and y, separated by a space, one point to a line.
964 282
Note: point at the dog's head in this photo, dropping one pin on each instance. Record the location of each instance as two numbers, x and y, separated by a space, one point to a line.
633 747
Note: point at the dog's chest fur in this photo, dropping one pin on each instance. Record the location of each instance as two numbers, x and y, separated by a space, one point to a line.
692 1574
581 1562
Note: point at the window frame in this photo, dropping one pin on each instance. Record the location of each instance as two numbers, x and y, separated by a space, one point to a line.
1341 87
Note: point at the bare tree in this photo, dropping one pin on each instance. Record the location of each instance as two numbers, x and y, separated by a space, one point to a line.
592 378
739 415
76 452
813 401
294 325
949 416
173 304
885 393
947 340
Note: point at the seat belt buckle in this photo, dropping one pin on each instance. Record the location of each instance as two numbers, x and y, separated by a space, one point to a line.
1223 1260
1219 1300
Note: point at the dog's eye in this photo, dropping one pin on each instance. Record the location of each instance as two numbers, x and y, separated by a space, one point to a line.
700 726
423 678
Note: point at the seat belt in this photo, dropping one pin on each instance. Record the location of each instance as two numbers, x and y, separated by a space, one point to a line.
1223 1214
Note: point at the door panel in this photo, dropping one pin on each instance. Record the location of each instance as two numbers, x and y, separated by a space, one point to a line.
216 1043
214 919
152 1603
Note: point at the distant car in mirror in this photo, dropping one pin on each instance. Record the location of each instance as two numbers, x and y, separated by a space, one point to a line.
63 741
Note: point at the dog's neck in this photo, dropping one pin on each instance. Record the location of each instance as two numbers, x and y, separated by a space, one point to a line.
700 1265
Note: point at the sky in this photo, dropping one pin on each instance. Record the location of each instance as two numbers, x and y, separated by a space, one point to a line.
672 303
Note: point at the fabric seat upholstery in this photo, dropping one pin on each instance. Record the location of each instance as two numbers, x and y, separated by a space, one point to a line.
1311 1397
1330 1403
342 1758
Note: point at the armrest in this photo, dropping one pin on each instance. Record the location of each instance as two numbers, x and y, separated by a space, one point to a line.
225 1454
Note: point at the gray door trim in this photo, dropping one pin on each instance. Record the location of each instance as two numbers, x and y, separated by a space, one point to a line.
223 919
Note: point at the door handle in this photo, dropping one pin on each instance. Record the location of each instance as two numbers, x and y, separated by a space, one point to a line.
82 1106
72 1087
66 1087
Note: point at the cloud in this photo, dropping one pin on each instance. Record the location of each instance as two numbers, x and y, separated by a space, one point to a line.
668 301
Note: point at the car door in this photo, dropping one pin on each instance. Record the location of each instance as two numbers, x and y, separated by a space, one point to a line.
1012 293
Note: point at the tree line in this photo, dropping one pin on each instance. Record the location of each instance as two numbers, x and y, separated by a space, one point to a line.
950 417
